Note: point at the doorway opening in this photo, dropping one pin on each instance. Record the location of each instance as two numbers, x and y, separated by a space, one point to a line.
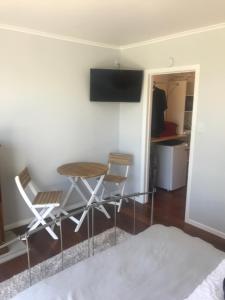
170 131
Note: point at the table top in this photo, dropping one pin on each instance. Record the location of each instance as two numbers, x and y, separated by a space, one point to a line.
83 169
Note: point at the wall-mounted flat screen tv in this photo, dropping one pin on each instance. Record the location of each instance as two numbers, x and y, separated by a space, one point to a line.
115 85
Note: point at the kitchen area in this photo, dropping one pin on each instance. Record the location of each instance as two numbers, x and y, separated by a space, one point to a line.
172 106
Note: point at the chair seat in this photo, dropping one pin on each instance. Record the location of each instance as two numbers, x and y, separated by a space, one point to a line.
44 198
114 178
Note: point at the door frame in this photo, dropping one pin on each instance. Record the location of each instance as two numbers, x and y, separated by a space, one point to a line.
146 125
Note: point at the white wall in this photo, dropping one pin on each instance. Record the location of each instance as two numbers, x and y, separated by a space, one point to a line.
207 205
46 118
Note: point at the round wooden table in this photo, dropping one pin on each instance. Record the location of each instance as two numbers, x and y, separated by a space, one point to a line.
82 171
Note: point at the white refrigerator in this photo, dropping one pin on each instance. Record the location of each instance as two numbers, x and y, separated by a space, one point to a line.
172 166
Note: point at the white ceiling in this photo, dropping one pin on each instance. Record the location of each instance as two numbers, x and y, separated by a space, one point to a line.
115 22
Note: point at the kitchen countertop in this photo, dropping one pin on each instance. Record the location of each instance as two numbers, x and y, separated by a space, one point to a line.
168 138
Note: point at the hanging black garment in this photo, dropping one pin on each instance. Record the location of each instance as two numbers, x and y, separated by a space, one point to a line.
159 105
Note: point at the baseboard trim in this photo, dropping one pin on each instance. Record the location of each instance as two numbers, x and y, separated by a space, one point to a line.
206 228
28 220
17 224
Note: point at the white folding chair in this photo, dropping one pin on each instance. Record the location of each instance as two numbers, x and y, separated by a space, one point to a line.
118 180
43 202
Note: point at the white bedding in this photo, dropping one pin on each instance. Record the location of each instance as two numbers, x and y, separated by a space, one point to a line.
161 263
212 287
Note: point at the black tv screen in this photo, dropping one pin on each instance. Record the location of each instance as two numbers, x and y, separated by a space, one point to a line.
115 85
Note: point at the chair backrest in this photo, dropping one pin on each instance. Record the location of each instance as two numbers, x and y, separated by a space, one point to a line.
121 159
22 181
24 178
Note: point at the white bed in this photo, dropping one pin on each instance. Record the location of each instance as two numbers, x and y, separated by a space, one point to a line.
160 263
210 288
